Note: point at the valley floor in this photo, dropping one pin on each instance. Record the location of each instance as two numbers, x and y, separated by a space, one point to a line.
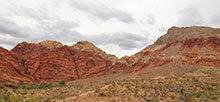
163 84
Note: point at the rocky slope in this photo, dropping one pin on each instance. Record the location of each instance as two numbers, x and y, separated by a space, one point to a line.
89 47
49 61
188 45
11 71
176 33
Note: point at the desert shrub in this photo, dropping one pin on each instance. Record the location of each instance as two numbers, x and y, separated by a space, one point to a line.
154 100
55 85
21 82
33 86
12 86
62 82
45 85
6 96
16 98
41 86
31 99
24 87
101 94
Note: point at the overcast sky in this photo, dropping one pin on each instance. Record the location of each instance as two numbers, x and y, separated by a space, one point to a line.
120 27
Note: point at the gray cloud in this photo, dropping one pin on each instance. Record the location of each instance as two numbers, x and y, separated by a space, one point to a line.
162 29
124 40
28 12
151 19
103 12
215 19
64 31
50 27
7 42
9 27
190 16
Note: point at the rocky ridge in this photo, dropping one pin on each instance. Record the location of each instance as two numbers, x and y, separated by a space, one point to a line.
49 61
187 45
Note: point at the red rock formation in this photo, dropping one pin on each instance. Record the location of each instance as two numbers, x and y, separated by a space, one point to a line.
11 71
189 45
51 61
89 47
90 65
195 51
176 33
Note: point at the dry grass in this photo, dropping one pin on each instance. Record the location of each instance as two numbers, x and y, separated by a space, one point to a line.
178 84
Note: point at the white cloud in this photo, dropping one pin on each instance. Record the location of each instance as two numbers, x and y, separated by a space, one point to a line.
120 27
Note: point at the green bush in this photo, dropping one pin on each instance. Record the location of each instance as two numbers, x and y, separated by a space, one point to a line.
33 86
21 82
12 86
154 100
62 82
24 87
6 96
45 85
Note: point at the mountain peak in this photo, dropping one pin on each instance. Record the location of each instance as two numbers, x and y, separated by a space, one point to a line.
85 46
84 42
90 47
184 33
51 44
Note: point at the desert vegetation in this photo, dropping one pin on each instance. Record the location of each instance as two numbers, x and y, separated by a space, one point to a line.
188 87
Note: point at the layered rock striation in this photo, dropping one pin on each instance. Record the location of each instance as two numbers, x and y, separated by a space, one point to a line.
50 61
188 45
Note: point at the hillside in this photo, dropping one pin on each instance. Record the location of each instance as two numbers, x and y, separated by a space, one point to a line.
188 45
182 65
49 61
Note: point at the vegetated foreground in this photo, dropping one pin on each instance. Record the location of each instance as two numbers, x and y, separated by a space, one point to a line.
178 84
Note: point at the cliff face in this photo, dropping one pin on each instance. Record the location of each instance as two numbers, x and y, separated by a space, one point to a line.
189 45
176 33
11 71
54 62
49 61
51 44
89 47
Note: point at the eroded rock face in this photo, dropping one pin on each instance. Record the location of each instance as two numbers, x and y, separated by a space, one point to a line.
189 45
46 64
176 33
90 65
51 44
51 61
11 71
89 47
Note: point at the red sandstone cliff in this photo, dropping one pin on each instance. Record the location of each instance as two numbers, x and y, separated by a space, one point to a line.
48 63
188 45
51 61
11 70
